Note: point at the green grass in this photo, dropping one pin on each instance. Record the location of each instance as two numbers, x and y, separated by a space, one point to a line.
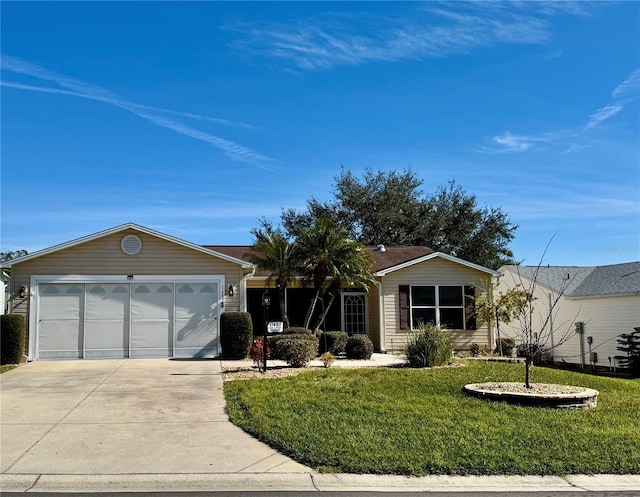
7 367
418 422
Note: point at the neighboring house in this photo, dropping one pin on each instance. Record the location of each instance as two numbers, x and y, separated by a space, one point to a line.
130 291
603 300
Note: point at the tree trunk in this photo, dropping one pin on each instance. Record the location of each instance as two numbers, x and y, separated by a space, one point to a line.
527 372
312 307
498 334
322 317
283 309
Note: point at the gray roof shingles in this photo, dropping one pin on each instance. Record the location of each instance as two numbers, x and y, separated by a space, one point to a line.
588 281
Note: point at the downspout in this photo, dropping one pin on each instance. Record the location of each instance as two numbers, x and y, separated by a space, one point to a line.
243 289
551 329
381 331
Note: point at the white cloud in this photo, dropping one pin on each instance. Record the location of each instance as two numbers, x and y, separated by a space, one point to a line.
629 87
324 42
507 142
81 89
602 114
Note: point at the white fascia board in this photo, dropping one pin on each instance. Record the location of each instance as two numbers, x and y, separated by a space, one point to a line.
428 257
123 227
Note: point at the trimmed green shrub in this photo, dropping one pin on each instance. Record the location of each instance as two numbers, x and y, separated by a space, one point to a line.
508 344
359 347
429 346
333 341
236 333
12 343
296 350
297 330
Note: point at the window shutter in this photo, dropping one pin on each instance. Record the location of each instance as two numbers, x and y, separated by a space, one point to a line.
470 307
403 291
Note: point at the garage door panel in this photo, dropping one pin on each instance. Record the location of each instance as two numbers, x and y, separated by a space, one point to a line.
151 320
197 338
60 339
60 321
61 301
107 300
150 338
196 320
107 321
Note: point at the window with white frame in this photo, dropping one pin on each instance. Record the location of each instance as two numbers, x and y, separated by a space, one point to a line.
443 305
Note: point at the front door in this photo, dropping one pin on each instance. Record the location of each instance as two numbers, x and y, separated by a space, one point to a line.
354 313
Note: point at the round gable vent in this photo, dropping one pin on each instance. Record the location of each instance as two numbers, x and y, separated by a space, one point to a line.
131 244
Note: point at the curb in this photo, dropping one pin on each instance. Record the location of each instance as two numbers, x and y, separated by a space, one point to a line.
313 482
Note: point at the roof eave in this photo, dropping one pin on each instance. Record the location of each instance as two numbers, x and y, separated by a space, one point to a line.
123 227
433 255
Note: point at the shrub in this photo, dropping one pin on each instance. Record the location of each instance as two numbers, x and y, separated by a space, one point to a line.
327 359
508 344
297 330
12 343
429 346
474 351
296 350
359 347
256 353
236 333
629 343
333 341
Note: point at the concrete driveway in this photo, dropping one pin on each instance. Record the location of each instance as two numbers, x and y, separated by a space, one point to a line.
125 416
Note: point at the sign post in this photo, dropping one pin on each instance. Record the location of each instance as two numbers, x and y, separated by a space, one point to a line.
266 302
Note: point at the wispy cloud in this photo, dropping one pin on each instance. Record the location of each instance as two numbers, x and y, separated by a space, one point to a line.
324 42
508 142
601 115
629 87
622 95
81 89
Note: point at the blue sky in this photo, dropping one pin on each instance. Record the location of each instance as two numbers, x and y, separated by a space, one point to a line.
196 119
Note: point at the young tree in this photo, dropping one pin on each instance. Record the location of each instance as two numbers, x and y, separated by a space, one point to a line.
494 307
274 252
390 208
331 260
538 330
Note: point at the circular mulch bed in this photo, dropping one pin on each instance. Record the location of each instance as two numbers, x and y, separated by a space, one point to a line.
539 395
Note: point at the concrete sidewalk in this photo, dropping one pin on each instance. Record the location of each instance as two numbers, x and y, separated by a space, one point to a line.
298 482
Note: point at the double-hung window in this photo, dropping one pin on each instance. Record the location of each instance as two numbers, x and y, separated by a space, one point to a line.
448 306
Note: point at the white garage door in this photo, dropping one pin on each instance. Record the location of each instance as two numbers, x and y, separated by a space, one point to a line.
114 320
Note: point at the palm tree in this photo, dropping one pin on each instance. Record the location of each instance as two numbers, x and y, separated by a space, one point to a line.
274 252
331 260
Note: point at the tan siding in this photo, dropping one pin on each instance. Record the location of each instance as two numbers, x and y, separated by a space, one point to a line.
604 318
104 256
432 272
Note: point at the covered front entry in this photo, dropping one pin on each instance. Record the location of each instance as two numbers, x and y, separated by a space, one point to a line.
114 317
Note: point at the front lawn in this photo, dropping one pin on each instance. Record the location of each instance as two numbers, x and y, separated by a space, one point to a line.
7 367
418 422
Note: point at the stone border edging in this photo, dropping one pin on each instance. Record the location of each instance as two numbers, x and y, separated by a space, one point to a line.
585 399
